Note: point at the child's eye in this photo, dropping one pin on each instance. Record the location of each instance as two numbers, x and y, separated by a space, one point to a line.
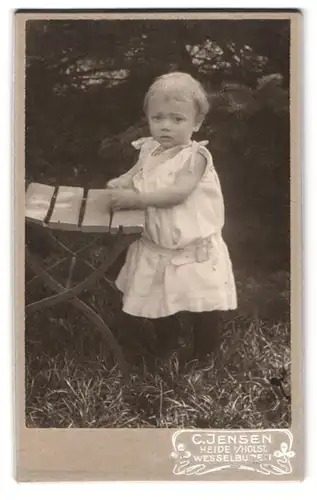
156 117
178 119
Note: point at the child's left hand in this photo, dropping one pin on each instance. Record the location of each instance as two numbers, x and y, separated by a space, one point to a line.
123 199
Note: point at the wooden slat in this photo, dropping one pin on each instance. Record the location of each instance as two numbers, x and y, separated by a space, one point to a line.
67 208
131 221
37 201
95 218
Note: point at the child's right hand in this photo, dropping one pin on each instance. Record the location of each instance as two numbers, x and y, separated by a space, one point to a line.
113 184
119 183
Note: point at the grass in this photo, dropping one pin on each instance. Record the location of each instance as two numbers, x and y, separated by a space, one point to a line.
72 381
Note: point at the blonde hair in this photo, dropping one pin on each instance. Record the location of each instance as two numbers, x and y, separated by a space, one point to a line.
180 86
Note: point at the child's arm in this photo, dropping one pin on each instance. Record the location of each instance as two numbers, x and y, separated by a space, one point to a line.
184 184
125 181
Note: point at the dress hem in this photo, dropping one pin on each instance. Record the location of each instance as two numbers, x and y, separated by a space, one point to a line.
157 316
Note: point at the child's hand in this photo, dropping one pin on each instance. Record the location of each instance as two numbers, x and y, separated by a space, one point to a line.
119 183
123 199
113 183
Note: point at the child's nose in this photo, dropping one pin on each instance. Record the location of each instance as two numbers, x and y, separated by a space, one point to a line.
165 125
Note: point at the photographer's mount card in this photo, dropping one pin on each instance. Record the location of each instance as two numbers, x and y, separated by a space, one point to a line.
192 370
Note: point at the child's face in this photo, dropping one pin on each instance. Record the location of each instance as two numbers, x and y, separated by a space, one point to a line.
171 122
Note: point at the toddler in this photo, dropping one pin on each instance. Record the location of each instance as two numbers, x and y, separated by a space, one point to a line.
181 262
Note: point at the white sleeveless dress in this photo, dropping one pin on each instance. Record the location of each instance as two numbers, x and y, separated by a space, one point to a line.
181 262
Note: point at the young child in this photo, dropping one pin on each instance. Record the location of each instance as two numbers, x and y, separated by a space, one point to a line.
181 262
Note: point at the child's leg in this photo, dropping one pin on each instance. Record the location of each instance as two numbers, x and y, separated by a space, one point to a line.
207 335
166 331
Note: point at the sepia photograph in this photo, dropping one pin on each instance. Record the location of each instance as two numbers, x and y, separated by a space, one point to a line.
158 202
157 169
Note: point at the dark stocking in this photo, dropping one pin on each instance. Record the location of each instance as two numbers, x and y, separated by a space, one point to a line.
166 331
207 335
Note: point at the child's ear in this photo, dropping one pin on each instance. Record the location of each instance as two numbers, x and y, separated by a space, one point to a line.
197 126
